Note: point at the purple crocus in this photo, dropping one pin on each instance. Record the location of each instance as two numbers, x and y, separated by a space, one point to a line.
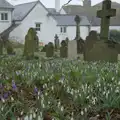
5 95
35 90
14 85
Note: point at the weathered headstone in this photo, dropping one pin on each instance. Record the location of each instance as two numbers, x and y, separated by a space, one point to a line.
102 50
80 46
91 39
105 15
56 41
67 40
50 50
64 49
30 44
72 49
80 42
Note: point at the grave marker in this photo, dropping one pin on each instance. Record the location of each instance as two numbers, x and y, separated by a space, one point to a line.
72 49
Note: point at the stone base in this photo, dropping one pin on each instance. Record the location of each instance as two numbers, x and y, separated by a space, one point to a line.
101 52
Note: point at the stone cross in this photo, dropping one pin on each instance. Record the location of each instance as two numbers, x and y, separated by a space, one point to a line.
77 20
105 15
56 42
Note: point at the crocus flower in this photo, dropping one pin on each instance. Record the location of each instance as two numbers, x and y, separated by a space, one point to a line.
35 90
6 95
14 85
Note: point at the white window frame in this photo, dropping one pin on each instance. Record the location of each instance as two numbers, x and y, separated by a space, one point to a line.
4 16
63 29
38 28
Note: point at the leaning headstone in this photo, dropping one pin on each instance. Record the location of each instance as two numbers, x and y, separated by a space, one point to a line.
101 50
1 46
50 50
30 44
64 49
56 41
72 49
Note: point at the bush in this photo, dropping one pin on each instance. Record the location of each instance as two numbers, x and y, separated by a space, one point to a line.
114 35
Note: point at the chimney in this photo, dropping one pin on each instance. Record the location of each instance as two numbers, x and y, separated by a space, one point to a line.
57 5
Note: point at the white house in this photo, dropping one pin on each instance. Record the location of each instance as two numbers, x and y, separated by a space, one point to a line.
47 21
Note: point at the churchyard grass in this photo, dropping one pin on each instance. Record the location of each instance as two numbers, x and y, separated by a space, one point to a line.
64 88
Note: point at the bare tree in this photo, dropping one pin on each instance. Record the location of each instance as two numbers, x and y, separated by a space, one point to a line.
68 3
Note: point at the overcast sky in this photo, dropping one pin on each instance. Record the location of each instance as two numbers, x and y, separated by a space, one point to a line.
51 3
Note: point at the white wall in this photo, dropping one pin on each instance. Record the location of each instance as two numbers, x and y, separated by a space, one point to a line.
5 24
97 28
38 14
62 11
71 32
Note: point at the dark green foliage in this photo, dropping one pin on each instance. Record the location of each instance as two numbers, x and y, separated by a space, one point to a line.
9 48
30 43
50 50
64 49
114 35
44 48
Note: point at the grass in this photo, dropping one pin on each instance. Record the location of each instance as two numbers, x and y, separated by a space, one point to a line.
66 89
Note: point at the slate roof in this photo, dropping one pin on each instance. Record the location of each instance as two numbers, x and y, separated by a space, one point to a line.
91 12
68 20
5 4
22 10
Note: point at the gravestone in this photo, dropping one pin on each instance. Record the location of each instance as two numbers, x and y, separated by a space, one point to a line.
80 46
64 49
72 49
77 20
30 44
89 42
102 50
80 41
50 50
56 41
67 40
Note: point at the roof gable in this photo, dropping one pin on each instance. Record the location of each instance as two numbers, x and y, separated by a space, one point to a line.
22 10
5 4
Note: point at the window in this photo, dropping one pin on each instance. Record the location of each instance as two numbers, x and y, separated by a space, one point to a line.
63 29
4 16
38 27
